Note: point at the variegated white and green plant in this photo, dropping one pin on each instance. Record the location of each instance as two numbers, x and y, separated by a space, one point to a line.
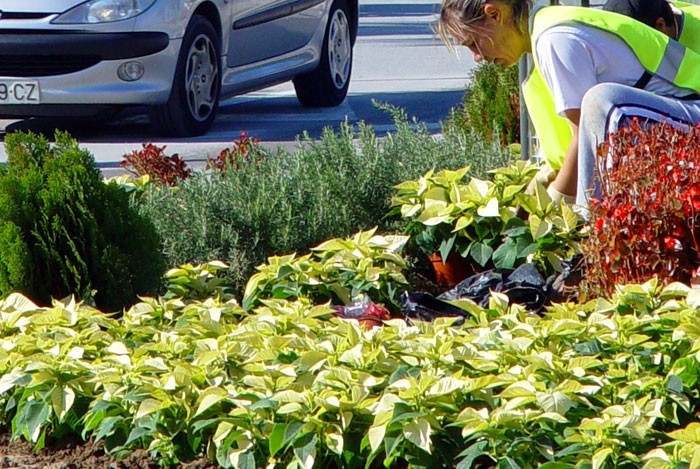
481 219
337 270
608 384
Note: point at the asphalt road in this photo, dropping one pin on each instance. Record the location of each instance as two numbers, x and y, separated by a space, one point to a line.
398 60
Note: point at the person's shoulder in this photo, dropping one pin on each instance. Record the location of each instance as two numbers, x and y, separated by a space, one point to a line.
577 32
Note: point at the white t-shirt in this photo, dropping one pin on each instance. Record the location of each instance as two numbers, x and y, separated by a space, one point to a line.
573 59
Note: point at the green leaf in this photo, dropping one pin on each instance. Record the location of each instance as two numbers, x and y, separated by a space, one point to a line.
62 399
472 453
446 385
543 198
282 434
674 384
539 228
392 444
591 347
508 463
571 219
136 433
519 389
599 458
244 460
688 369
305 451
210 397
462 222
108 426
689 434
481 253
335 442
446 247
148 406
34 415
505 256
527 202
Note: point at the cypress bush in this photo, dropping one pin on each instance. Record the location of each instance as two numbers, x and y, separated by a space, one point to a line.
491 104
64 231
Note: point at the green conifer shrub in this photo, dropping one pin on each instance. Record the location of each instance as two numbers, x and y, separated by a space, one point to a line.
491 104
64 231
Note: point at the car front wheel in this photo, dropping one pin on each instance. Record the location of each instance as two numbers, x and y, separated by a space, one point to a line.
327 85
194 97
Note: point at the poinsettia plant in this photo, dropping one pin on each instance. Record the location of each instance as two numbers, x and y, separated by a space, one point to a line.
337 270
647 221
479 219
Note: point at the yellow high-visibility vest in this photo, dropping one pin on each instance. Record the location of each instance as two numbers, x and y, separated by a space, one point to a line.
656 52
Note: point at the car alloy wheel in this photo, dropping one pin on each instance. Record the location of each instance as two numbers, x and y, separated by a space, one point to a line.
339 49
194 97
202 78
327 85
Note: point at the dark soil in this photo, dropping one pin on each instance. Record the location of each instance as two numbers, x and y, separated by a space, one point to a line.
76 454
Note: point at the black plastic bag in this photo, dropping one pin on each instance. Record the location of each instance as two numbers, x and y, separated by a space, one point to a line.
425 307
525 285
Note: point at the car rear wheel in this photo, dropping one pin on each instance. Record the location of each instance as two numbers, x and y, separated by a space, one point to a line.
327 85
194 97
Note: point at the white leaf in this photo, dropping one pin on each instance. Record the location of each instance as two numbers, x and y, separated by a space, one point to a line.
418 433
19 303
376 436
76 353
490 209
118 348
555 402
352 356
8 380
62 400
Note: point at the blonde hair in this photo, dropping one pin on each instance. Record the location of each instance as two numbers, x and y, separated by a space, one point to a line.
457 17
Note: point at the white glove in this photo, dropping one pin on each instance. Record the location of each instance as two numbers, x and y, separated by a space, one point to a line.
557 196
544 176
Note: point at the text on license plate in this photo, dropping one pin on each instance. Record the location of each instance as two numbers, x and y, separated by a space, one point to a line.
19 92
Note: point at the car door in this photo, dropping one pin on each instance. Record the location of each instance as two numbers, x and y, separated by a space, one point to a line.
262 29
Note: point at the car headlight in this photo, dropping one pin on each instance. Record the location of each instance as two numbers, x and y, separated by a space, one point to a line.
104 11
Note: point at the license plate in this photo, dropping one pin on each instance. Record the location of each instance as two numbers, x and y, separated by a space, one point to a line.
19 92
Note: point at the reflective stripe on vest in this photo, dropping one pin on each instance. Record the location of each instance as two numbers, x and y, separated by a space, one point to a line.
690 25
654 50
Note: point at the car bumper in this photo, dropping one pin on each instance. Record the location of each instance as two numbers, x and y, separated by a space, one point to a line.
73 68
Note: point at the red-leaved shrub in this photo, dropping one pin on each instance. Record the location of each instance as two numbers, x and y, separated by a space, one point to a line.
647 222
151 160
234 157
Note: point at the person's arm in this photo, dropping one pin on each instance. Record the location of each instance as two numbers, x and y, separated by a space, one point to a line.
565 182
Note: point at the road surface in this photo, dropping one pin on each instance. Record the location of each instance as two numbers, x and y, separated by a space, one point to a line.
398 60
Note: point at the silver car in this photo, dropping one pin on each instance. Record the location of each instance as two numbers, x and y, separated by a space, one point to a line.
178 57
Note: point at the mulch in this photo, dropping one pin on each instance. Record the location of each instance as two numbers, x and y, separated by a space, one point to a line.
72 453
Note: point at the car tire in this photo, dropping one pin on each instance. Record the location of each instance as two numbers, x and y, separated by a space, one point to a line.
196 89
327 85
